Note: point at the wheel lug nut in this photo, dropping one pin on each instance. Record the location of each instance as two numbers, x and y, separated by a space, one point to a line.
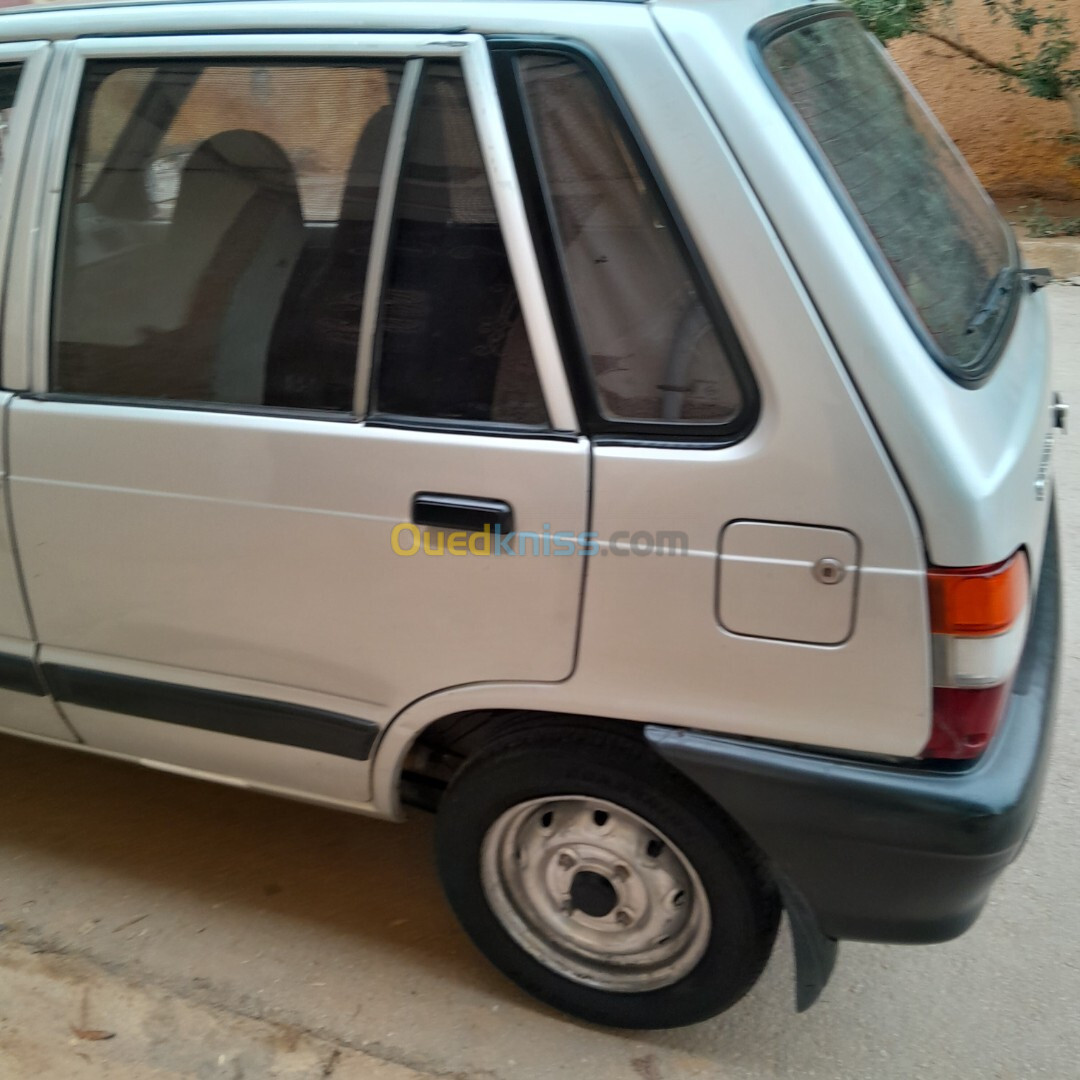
566 860
622 873
622 918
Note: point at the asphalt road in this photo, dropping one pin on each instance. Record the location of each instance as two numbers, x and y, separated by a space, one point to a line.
218 933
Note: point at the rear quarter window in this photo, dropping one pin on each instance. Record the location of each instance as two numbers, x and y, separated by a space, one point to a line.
939 240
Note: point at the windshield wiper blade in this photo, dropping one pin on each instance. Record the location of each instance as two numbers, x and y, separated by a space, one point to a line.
1036 279
997 290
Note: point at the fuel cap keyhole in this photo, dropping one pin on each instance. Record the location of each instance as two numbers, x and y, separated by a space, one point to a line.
829 571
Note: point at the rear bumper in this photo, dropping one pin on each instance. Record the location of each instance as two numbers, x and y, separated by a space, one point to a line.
893 853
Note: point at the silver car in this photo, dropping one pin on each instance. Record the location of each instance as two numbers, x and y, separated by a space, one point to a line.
622 427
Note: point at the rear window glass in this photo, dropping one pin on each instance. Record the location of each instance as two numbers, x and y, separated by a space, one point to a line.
943 239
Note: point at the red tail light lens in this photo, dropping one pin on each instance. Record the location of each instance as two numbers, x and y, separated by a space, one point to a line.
977 615
965 721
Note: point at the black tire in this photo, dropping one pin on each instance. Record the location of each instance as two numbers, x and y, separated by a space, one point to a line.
567 761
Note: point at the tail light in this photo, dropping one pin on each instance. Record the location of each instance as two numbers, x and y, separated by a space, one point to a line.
978 616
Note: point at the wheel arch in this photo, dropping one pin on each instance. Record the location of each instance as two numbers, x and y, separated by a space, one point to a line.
461 721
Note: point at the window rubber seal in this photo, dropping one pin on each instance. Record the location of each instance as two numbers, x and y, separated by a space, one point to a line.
760 36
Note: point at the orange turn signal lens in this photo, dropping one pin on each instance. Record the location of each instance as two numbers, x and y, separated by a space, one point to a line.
978 601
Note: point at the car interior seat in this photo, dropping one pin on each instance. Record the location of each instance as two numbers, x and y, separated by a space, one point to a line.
197 325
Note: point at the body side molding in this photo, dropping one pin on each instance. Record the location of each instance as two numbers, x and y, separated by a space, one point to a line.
20 673
213 710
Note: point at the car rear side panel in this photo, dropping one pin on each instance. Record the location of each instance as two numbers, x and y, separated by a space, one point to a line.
652 644
969 457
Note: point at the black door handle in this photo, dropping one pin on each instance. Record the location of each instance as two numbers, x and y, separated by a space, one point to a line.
464 512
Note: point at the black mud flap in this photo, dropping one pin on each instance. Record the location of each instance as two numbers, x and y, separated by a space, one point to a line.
815 953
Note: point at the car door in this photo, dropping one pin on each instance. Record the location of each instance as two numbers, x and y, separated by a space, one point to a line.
288 355
24 705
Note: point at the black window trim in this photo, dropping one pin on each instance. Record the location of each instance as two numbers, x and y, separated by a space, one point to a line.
760 36
604 430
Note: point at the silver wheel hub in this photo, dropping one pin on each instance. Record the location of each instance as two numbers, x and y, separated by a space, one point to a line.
595 893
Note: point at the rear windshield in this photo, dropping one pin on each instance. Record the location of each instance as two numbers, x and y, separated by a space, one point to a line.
943 240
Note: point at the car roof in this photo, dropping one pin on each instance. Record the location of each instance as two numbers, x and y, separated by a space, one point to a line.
74 19
15 6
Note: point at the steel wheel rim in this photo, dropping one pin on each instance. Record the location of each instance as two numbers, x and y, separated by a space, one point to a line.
595 893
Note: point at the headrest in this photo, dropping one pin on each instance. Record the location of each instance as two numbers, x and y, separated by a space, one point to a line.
241 151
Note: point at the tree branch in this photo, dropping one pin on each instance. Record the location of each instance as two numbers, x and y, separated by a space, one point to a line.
972 54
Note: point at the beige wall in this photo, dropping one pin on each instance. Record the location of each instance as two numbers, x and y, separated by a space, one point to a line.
1009 138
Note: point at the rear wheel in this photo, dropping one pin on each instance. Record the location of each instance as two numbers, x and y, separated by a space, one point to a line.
602 882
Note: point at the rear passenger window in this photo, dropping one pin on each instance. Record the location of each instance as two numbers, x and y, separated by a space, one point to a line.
9 83
653 348
452 341
215 230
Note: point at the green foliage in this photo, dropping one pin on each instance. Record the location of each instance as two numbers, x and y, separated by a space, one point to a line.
1045 65
889 19
1045 72
1040 223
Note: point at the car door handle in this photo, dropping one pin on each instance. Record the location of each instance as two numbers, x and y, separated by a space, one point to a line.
465 512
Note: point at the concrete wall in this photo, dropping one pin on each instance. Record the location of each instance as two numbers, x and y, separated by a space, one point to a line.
1011 139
